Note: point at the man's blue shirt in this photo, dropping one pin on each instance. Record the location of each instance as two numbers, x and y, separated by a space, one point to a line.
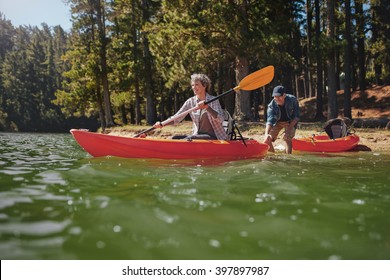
292 110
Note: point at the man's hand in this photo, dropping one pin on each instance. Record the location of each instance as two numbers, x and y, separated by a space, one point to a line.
267 138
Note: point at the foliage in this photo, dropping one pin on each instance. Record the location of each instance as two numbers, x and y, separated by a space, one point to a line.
133 57
30 76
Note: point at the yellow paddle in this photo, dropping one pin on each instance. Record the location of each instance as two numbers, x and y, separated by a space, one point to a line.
252 81
256 79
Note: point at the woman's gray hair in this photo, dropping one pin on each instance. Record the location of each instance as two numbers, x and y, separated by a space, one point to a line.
203 79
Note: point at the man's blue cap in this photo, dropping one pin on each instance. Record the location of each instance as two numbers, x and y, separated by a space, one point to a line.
278 91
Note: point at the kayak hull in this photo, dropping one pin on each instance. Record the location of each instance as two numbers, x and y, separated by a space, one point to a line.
322 143
99 145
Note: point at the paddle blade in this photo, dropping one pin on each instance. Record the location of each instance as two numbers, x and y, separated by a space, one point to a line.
257 79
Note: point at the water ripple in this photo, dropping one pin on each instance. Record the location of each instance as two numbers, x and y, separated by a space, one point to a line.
40 228
58 202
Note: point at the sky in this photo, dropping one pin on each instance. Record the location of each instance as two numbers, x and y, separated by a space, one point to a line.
35 12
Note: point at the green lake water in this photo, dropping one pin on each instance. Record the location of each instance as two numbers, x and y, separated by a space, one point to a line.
56 202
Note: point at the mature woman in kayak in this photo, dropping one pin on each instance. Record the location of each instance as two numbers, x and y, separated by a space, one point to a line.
207 121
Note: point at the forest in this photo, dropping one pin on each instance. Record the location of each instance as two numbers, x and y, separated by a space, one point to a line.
129 61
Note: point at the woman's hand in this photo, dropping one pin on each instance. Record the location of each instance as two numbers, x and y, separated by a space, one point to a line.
158 125
201 105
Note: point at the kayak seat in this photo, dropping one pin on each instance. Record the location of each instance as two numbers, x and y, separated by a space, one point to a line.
231 128
229 125
336 128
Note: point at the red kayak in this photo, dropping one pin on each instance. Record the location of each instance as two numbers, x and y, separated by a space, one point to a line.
322 143
98 145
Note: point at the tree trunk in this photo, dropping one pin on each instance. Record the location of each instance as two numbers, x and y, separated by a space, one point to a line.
360 45
308 77
295 84
132 113
137 109
103 62
138 116
243 106
347 61
243 100
100 108
319 100
331 67
375 36
151 114
266 100
123 114
227 83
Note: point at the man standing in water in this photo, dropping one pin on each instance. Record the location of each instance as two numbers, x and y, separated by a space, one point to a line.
282 112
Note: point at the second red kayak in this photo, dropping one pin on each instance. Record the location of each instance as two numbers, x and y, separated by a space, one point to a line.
322 143
98 145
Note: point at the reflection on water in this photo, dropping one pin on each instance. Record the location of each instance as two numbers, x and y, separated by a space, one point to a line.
56 202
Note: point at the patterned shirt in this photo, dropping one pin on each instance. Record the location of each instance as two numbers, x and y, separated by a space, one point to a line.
216 123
